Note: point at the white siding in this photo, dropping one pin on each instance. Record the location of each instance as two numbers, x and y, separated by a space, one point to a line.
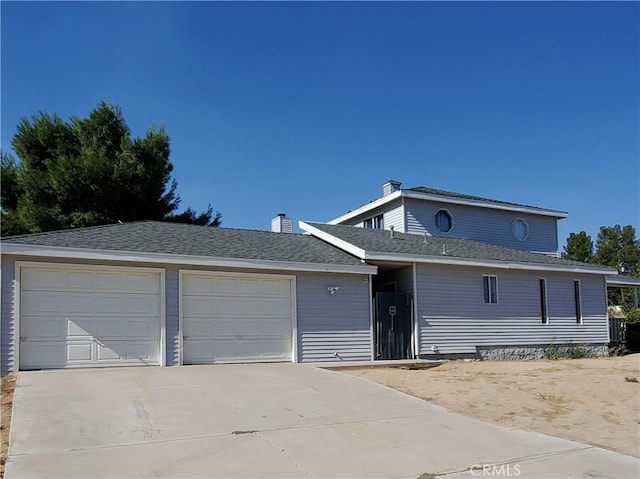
483 224
453 317
338 323
7 317
394 217
172 323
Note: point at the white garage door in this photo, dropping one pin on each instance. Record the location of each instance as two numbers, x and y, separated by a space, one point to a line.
77 316
236 318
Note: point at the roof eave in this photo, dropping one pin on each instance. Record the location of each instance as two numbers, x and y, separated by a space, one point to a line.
615 281
485 204
166 258
485 263
368 207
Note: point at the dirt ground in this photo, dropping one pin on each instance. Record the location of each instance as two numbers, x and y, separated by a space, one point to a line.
593 401
8 385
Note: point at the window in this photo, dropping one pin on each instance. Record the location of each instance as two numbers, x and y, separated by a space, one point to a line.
444 221
578 299
520 229
544 311
490 289
375 222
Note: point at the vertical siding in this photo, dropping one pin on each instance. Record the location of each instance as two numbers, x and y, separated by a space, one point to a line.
7 316
453 317
483 224
338 323
172 316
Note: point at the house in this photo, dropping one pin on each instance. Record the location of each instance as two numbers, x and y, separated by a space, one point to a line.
417 273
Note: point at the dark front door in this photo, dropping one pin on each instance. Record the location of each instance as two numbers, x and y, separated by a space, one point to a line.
393 326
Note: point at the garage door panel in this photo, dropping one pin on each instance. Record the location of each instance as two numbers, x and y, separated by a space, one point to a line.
197 285
275 307
121 351
142 283
236 318
193 306
43 354
76 280
79 317
275 328
81 328
275 288
139 328
50 302
196 327
43 328
81 352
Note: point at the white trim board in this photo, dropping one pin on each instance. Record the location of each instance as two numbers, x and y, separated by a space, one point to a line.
163 258
332 240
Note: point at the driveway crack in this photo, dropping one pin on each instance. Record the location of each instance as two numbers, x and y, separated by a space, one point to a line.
285 454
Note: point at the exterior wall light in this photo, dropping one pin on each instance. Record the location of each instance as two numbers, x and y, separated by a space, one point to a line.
333 289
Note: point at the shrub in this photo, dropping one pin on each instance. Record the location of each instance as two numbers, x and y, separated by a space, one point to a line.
578 352
633 316
552 352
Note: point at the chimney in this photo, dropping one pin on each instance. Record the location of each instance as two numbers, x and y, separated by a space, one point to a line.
282 224
390 186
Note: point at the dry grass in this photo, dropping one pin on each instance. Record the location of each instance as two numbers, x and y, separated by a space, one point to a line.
593 401
8 386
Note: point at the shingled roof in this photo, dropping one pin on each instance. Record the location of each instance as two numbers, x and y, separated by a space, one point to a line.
452 194
376 243
184 239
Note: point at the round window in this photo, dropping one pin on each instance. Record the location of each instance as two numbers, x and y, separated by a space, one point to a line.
444 221
520 229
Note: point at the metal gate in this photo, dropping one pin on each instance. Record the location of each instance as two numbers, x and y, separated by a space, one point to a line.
393 326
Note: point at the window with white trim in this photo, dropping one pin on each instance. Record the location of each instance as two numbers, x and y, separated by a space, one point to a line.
544 307
490 289
577 295
444 220
375 222
520 229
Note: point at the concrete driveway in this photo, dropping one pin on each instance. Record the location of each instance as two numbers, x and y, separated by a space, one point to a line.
266 421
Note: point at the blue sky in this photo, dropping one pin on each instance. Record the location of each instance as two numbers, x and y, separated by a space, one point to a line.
308 108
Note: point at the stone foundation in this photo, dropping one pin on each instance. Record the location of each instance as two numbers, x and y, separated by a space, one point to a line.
542 351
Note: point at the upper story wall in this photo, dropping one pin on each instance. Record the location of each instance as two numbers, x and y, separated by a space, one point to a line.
392 213
483 224
495 226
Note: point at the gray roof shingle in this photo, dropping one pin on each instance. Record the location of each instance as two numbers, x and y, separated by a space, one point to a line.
184 239
380 241
452 194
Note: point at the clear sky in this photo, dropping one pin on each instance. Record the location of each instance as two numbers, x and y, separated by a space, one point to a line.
308 108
